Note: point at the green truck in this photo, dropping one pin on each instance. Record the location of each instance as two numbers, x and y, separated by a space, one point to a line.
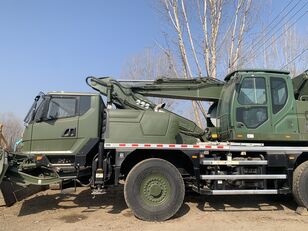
255 142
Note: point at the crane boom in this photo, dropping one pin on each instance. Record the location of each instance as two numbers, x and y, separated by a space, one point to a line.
203 89
128 94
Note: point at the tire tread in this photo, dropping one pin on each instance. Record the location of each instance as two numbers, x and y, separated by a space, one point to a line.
296 189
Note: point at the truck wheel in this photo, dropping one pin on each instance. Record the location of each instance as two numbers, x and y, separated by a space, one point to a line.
154 190
300 184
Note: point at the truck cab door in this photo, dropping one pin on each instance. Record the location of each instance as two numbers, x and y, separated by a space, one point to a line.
251 109
56 132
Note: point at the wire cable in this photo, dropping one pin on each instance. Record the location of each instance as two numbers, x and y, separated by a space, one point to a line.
254 54
295 58
272 29
280 35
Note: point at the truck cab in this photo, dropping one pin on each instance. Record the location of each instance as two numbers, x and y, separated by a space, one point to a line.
63 126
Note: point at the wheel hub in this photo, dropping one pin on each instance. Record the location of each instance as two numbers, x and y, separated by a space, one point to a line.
155 190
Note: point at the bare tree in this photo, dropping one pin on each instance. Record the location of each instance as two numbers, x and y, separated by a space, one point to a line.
239 26
219 22
3 143
201 28
150 65
291 54
12 128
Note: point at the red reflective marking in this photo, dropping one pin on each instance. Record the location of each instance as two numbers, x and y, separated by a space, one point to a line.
220 146
171 145
184 145
196 146
159 145
135 145
122 145
147 145
207 146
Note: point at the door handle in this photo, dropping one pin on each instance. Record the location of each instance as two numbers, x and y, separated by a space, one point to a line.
69 132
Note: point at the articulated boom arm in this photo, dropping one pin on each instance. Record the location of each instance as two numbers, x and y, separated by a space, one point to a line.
131 94
201 89
118 94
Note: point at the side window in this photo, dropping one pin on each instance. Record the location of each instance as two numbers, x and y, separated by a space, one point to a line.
40 110
61 108
279 93
84 104
252 91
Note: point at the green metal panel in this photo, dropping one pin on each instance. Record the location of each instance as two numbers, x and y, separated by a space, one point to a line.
89 124
302 115
300 85
225 105
47 136
161 126
134 126
26 138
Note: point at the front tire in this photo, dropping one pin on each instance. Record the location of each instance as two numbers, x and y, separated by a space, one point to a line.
154 190
300 184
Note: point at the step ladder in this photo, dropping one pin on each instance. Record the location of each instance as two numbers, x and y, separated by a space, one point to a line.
237 162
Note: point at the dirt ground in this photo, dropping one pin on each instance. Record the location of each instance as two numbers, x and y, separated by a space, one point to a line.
51 210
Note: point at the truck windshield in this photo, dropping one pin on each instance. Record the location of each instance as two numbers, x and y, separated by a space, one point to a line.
37 102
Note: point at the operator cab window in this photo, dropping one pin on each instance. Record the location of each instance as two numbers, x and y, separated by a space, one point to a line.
252 117
252 93
61 108
279 93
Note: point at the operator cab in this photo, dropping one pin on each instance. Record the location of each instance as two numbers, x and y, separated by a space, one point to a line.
258 105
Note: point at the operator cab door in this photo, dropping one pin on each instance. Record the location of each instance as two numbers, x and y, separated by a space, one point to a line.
284 117
252 115
56 131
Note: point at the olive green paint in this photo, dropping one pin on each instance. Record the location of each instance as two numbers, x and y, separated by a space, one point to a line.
133 118
133 122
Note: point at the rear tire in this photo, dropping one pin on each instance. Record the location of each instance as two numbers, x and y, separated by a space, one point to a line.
300 184
154 190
